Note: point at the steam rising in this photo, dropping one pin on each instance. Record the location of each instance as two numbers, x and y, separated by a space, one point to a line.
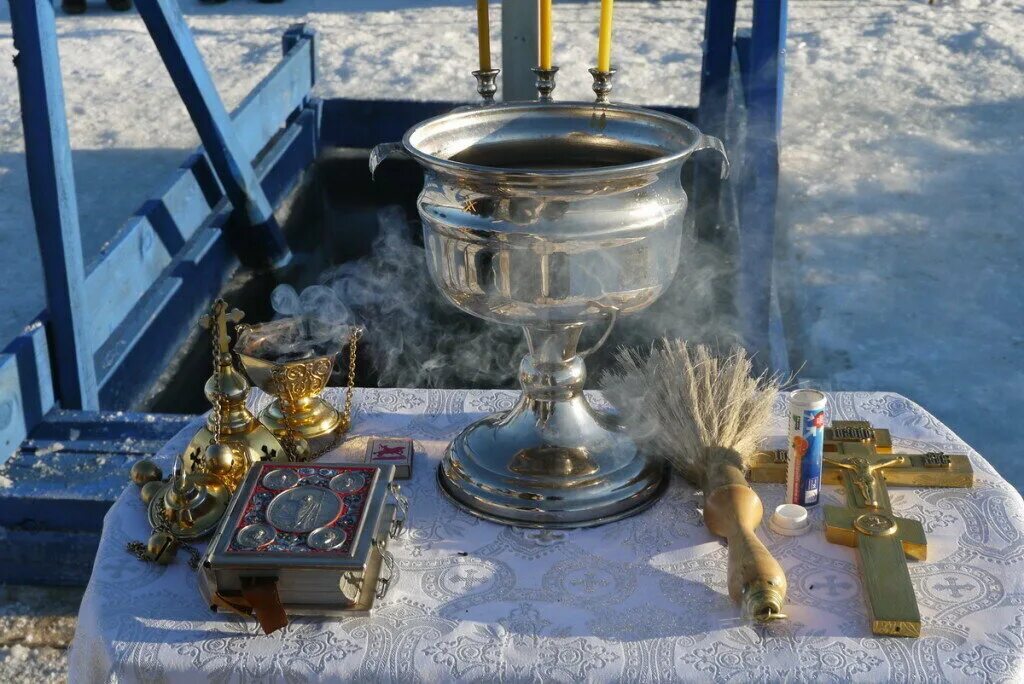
312 324
415 338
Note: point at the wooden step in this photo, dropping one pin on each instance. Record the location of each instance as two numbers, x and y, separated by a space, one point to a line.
56 489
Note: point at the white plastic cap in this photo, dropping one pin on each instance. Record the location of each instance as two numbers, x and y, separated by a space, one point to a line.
790 520
807 399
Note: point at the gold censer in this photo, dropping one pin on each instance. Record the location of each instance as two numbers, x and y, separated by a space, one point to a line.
298 416
232 439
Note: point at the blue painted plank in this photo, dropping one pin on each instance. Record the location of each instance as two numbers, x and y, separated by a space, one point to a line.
131 262
142 348
267 108
111 355
56 495
131 361
762 71
766 71
48 558
719 29
118 281
294 36
109 426
264 243
61 476
54 206
295 152
26 387
186 204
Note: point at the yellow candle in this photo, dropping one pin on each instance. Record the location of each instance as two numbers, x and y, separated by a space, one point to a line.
545 34
604 44
483 29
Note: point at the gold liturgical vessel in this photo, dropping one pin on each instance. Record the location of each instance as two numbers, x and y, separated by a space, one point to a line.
306 424
189 506
191 503
186 507
242 440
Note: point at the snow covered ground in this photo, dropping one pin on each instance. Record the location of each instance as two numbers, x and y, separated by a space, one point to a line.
902 211
900 214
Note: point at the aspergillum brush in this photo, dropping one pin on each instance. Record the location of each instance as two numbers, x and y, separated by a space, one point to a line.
706 414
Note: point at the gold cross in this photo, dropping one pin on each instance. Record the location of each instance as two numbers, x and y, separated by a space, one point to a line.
860 458
933 469
858 432
883 541
217 322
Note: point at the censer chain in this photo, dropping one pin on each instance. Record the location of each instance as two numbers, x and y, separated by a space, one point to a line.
346 413
138 549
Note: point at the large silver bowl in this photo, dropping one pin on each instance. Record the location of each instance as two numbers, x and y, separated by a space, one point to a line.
551 216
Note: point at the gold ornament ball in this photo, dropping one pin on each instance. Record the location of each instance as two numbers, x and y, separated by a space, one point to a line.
150 490
298 449
161 547
146 471
219 459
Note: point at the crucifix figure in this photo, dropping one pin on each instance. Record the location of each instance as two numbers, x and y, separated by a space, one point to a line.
934 469
883 540
863 476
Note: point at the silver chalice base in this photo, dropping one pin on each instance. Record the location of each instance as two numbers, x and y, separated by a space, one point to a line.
551 216
506 469
552 460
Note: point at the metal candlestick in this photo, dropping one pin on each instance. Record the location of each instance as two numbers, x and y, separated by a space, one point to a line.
602 83
487 84
545 82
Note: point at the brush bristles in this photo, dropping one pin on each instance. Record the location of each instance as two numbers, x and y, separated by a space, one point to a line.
682 402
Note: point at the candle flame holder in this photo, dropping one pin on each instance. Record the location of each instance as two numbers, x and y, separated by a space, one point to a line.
602 84
545 82
487 84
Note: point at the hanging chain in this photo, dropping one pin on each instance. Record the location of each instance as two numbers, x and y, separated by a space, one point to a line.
346 414
218 418
140 551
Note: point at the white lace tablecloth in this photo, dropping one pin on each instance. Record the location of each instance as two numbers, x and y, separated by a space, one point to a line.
641 600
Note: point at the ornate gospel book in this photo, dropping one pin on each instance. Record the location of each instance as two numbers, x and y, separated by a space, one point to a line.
304 538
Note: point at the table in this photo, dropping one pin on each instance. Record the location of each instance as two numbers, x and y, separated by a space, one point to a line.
643 599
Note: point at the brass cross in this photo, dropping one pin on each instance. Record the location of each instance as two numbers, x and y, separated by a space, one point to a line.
934 469
860 458
862 475
883 541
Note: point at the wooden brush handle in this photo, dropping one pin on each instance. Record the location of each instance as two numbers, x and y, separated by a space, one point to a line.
733 510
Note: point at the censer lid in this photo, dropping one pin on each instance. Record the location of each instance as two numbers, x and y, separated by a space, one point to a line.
577 141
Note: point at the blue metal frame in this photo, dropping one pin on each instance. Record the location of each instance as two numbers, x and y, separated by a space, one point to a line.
54 202
762 63
123 316
261 243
